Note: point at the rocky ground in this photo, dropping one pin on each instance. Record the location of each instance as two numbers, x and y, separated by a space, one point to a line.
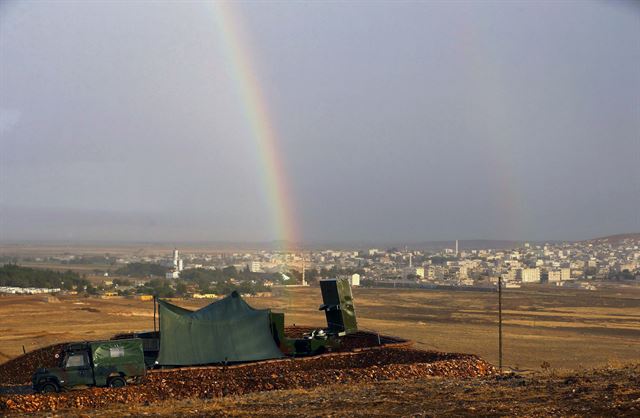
18 371
361 380
601 393
379 364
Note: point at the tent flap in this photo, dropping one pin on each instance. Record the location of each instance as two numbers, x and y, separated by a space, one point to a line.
228 330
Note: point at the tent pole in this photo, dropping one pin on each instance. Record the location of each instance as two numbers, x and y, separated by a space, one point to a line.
154 313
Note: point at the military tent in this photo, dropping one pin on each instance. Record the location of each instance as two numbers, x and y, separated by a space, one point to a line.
228 330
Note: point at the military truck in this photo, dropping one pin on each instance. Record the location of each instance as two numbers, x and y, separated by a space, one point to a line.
150 344
111 363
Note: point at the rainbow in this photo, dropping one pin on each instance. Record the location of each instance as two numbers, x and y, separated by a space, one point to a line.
277 192
496 108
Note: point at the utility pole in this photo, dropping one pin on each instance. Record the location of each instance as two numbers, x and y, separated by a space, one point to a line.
500 323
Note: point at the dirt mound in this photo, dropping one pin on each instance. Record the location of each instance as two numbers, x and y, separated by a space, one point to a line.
18 371
586 393
209 382
352 342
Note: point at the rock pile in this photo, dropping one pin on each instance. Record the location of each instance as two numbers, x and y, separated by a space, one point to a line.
384 363
18 371
353 342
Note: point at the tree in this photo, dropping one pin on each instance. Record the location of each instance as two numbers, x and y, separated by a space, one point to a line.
230 272
91 290
13 275
142 270
181 288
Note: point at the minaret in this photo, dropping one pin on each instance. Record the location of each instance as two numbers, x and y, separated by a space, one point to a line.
410 260
304 282
456 248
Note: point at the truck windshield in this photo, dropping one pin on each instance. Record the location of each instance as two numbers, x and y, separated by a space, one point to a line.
76 360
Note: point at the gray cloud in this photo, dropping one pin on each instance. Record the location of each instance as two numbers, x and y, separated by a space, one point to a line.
9 119
395 122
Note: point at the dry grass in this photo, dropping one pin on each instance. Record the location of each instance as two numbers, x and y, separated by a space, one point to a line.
569 329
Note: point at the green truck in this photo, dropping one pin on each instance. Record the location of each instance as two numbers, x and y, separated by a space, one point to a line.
111 363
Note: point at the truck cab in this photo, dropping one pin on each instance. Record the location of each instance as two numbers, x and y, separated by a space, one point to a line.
97 363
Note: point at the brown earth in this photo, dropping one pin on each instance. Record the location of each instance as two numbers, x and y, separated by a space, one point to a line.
376 364
18 371
561 329
567 328
599 393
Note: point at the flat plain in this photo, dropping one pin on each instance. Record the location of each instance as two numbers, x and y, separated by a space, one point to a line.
543 325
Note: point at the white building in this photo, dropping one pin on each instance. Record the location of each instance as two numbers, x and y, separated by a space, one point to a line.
175 258
255 267
512 275
463 272
176 265
555 276
531 275
435 273
354 280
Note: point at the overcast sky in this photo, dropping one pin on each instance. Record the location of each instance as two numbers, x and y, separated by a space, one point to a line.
395 121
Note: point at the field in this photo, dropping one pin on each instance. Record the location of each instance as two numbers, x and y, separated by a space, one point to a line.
553 339
557 328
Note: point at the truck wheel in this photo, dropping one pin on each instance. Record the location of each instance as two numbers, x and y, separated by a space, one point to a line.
116 382
49 388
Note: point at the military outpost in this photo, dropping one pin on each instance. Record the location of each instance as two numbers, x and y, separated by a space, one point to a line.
227 331
226 347
231 331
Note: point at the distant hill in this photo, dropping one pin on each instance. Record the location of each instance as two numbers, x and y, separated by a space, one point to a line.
616 239
464 244
469 244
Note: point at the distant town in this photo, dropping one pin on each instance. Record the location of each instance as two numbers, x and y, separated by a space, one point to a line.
203 274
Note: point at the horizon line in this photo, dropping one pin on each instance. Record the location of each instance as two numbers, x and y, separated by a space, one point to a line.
307 243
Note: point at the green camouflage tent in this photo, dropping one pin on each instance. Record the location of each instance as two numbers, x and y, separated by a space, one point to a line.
228 330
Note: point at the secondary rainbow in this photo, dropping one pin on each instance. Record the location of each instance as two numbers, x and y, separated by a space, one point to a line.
237 54
495 103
